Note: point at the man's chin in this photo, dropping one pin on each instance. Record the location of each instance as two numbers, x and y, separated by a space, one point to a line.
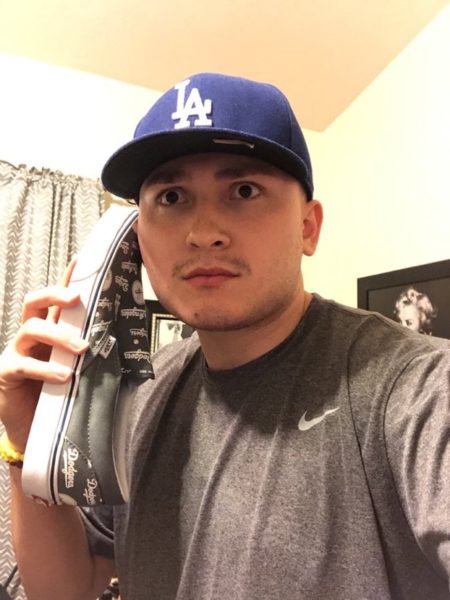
225 322
211 320
206 317
210 317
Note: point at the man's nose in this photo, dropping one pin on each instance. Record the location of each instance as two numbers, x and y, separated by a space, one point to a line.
206 232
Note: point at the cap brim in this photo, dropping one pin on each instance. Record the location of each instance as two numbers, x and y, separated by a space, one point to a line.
126 170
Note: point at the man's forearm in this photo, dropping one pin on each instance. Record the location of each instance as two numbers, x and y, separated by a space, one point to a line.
52 550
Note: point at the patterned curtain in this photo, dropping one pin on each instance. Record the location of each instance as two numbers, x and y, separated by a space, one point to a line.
44 217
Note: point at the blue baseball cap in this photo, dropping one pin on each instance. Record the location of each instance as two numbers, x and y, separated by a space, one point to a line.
210 112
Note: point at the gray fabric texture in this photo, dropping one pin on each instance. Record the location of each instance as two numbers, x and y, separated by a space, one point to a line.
238 493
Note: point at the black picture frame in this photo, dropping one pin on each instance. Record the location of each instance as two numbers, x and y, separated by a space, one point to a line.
163 327
383 293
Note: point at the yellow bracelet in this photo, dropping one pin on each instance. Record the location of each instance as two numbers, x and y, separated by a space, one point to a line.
10 454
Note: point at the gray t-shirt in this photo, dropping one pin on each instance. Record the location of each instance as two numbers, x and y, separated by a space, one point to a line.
319 471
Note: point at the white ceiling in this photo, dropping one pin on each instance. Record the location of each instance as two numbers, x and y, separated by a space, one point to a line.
321 53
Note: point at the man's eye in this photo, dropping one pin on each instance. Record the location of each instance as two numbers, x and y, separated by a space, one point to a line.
245 191
170 197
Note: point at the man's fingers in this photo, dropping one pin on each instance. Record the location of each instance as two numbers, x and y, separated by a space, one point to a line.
68 272
38 331
38 302
25 367
54 311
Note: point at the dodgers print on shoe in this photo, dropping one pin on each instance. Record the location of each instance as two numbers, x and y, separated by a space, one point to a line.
75 451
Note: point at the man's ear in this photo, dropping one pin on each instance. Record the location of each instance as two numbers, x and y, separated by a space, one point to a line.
312 223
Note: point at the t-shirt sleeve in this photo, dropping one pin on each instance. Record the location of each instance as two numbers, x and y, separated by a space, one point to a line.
417 430
99 525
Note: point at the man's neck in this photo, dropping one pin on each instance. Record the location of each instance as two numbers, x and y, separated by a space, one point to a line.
230 349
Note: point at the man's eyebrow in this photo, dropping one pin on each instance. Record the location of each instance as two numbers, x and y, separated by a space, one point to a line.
172 175
166 175
240 172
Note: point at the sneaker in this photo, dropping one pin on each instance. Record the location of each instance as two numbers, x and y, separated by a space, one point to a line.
75 451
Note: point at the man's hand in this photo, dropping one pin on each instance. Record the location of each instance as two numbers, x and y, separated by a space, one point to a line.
24 365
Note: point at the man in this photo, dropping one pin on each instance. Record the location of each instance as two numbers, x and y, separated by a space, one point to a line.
298 448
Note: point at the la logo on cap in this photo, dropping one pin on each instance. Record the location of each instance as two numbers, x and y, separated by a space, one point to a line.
194 106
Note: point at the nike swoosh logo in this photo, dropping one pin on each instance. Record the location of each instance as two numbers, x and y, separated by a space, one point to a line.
304 425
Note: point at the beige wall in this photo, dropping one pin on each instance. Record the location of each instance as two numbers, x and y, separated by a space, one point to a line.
62 118
382 169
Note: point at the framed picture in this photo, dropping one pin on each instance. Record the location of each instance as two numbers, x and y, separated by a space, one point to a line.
417 297
164 328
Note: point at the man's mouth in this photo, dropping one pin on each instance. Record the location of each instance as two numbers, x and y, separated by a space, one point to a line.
209 277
